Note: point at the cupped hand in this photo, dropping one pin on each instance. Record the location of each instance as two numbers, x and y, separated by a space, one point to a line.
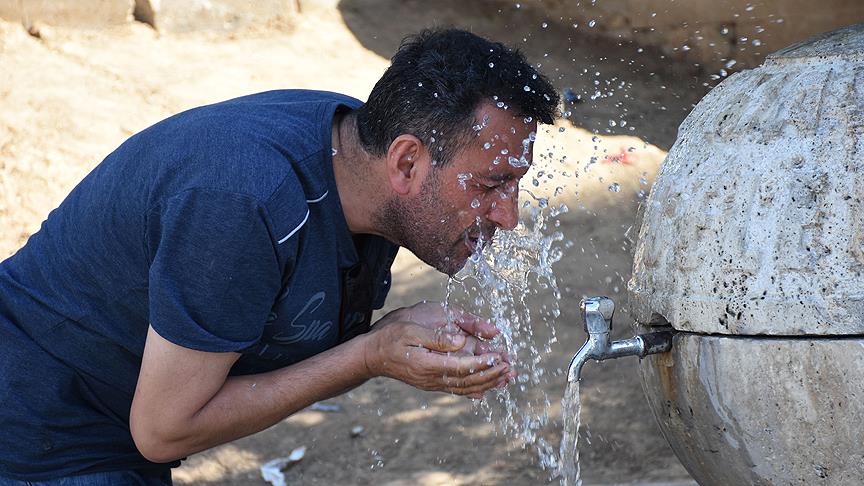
431 358
477 347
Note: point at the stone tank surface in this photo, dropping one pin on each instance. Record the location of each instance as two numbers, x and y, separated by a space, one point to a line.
752 245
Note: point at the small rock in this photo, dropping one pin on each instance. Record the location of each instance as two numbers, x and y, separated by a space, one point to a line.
39 30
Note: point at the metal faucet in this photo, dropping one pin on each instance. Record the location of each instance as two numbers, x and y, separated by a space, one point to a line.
597 314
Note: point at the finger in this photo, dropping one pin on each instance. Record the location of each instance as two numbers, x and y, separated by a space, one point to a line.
484 347
434 339
475 391
482 379
460 366
438 365
475 325
478 395
502 383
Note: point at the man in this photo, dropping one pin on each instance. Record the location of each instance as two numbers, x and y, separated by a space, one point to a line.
217 272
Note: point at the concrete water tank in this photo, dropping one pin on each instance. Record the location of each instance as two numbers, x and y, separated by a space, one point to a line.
752 246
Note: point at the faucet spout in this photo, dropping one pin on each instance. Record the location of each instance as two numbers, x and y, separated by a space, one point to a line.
597 317
586 352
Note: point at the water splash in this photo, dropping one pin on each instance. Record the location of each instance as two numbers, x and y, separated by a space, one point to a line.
500 281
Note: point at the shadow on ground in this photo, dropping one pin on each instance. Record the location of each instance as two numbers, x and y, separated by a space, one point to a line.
637 89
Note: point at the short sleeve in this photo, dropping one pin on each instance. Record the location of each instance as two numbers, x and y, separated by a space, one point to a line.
214 273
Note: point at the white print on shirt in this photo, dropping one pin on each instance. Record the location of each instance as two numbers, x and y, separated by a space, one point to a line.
291 233
305 331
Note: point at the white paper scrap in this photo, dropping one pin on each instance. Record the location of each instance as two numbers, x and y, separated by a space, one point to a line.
271 471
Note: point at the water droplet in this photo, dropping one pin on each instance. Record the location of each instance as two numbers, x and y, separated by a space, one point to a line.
420 84
500 104
526 88
491 64
544 25
504 151
592 23
475 203
487 146
333 152
560 129
614 187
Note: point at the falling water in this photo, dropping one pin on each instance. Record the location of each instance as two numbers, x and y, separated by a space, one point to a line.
568 453
501 279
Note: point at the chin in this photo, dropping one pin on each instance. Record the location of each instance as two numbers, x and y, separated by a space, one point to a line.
447 263
450 268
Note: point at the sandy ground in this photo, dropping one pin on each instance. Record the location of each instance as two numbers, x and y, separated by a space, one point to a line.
70 97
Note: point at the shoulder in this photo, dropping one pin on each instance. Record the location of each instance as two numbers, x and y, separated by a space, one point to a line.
257 145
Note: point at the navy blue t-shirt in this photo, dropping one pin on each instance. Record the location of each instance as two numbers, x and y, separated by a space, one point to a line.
222 228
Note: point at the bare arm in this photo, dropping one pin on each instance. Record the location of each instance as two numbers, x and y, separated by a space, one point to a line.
185 401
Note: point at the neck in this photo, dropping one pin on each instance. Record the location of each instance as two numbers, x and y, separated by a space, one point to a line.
355 172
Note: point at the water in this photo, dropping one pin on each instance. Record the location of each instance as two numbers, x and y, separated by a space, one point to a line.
500 283
568 452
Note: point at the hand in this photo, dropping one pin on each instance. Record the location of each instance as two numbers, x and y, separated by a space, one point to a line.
477 330
417 355
433 315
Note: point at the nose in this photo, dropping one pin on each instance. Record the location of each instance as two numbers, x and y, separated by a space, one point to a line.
505 211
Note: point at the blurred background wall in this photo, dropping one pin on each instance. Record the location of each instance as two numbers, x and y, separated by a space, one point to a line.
714 34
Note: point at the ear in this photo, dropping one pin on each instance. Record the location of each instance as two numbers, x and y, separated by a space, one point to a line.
408 164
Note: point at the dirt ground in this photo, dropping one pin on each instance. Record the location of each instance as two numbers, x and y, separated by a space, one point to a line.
70 96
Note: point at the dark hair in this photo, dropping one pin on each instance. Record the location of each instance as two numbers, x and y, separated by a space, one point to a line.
435 83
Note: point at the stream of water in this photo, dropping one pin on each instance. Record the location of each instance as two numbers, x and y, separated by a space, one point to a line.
501 281
568 452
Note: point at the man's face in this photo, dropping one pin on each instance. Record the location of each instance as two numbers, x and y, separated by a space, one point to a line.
464 202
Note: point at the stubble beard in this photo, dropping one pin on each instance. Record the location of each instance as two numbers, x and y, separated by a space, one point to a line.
416 224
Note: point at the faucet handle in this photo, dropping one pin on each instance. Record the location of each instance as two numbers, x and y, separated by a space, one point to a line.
597 314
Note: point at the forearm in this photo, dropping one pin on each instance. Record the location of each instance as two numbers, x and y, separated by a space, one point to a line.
248 404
